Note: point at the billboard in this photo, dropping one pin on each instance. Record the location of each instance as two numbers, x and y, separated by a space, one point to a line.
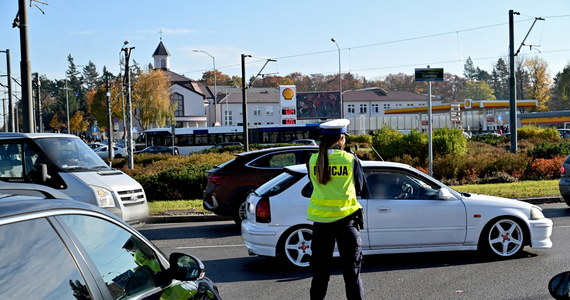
318 105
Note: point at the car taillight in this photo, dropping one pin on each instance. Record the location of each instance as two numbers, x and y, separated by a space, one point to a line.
263 211
562 170
216 179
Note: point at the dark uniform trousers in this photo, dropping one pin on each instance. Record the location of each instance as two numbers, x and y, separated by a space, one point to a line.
347 235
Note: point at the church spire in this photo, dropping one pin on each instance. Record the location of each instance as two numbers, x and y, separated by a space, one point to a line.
161 56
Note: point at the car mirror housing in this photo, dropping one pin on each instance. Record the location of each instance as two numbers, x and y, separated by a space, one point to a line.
186 267
445 194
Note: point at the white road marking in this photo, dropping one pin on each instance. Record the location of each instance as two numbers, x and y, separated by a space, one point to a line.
216 246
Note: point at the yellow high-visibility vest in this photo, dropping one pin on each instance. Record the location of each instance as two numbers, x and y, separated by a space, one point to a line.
337 198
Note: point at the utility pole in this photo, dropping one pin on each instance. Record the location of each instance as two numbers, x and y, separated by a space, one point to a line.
244 103
25 68
10 114
127 51
67 105
512 83
110 121
39 121
4 114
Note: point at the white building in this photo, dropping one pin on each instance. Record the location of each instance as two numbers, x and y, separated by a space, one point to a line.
190 98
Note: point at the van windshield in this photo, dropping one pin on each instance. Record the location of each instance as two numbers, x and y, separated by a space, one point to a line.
70 153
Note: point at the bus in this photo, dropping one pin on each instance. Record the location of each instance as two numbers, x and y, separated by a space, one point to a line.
192 139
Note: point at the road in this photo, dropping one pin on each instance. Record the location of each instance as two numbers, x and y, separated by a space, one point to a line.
449 275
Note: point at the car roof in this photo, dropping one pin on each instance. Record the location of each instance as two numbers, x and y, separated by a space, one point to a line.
16 205
302 168
20 135
276 149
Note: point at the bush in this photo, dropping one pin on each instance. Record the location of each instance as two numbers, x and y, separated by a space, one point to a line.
550 150
538 134
546 168
363 138
184 182
490 139
386 142
449 141
513 164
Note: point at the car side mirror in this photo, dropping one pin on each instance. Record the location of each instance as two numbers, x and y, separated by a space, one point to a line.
186 267
44 172
559 286
445 194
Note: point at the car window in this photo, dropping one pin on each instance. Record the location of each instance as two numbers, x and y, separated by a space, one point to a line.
35 264
116 253
276 160
398 185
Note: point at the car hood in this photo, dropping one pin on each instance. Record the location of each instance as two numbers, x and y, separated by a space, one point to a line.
486 200
114 180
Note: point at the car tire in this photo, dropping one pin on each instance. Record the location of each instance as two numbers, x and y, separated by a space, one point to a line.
240 211
118 156
295 246
503 238
566 199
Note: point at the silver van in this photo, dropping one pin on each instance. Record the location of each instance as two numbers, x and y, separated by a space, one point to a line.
64 162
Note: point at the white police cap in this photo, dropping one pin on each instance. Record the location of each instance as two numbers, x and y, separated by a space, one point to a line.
335 126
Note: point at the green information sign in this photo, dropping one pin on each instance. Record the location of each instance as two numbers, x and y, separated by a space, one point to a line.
429 74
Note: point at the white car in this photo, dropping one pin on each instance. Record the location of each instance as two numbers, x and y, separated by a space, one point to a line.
405 211
118 152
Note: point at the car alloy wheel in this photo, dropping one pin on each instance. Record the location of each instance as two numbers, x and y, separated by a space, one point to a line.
297 247
505 238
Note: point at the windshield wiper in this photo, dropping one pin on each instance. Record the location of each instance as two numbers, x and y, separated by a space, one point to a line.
74 168
101 167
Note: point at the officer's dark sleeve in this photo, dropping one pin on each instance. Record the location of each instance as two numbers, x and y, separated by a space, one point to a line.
358 175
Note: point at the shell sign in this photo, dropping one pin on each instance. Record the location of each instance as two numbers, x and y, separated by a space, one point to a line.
288 94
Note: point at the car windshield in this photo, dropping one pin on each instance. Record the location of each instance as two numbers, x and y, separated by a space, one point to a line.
70 154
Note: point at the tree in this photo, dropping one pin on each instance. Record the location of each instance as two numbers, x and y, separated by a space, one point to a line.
522 78
479 90
500 79
539 87
75 87
221 78
97 102
151 99
560 99
78 123
469 70
90 76
401 82
56 124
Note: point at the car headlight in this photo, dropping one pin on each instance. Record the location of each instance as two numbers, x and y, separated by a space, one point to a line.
104 197
536 213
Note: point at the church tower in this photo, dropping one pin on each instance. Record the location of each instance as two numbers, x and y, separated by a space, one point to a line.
161 57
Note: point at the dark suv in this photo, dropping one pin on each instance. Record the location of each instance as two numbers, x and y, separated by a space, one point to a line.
230 182
64 249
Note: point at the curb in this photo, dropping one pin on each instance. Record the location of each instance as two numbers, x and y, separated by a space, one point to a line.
161 219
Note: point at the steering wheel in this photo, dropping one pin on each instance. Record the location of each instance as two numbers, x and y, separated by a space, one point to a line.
408 190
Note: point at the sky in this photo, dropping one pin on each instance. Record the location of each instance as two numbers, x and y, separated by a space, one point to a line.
375 37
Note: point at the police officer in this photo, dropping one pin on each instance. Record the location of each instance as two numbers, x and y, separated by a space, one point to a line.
337 178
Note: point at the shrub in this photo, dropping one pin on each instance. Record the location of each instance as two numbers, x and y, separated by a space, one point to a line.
363 138
498 177
449 141
386 142
550 150
546 168
490 139
184 182
513 164
537 134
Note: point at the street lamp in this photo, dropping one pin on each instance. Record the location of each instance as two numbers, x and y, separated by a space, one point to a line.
215 93
339 79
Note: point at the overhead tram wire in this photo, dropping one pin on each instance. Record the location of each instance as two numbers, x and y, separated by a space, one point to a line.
386 43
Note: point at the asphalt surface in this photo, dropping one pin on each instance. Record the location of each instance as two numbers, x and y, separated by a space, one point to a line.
442 275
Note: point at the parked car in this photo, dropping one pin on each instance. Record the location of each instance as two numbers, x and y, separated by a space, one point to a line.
118 152
564 182
230 182
405 211
62 249
95 145
564 133
158 150
304 142
228 144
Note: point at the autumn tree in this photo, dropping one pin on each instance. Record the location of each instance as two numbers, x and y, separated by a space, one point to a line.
539 85
56 124
401 82
478 90
151 99
97 102
78 122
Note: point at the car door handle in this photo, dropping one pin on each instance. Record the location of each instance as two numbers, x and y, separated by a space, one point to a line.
384 209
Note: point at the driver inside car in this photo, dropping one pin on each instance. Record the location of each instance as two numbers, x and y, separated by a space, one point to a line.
178 291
